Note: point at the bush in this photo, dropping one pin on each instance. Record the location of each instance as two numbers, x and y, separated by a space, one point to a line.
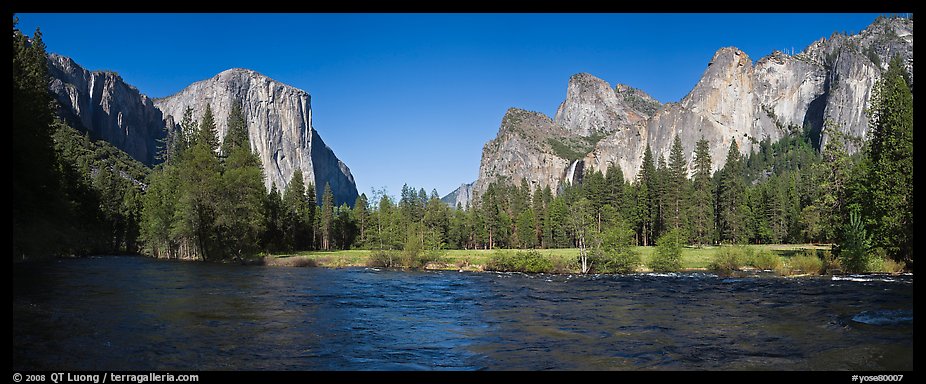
885 265
383 259
522 261
830 261
617 254
765 260
727 259
613 260
668 256
807 262
853 250
565 264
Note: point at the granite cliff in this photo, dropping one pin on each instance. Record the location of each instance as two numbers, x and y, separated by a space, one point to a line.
279 119
826 86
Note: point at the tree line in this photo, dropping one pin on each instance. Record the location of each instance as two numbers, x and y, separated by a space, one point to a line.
207 199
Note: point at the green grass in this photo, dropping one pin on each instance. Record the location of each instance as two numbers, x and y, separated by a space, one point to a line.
693 258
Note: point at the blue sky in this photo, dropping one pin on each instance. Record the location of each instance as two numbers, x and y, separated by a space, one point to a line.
412 98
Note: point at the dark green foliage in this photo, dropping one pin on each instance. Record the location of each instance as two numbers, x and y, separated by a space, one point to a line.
207 134
522 261
890 174
728 259
764 260
668 255
646 207
327 218
676 189
199 206
853 250
297 214
40 226
731 198
702 196
273 238
574 148
616 254
237 134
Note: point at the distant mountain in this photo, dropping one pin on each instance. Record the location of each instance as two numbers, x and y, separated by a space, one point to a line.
279 120
826 86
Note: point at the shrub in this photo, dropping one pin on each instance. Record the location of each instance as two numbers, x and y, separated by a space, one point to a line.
292 261
853 250
727 259
565 265
668 256
886 265
830 261
613 260
807 262
617 254
523 261
383 259
765 260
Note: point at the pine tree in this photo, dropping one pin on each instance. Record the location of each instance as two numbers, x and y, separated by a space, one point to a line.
614 185
208 134
539 210
296 224
362 218
596 191
310 215
890 153
731 198
240 215
39 212
237 133
646 202
327 217
676 190
272 239
661 197
199 191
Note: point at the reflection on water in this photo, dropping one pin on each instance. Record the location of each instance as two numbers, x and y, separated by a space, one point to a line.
135 313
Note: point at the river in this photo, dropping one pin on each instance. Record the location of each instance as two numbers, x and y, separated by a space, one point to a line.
135 313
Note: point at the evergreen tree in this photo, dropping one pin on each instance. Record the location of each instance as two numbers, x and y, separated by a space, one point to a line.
646 202
661 196
311 216
273 239
539 210
676 189
241 218
199 190
614 184
40 211
702 196
296 221
237 134
361 217
731 198
596 191
327 217
208 134
890 152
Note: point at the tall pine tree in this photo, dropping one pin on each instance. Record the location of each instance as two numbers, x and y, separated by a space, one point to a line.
890 153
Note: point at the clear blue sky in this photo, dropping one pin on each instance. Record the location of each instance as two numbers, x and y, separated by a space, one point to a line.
412 98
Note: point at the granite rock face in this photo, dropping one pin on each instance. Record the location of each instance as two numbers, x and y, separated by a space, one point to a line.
103 105
593 107
522 151
826 86
279 119
460 196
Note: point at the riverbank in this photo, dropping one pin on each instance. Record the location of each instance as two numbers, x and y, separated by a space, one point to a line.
781 259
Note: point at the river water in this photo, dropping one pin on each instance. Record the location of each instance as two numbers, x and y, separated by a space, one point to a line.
134 313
